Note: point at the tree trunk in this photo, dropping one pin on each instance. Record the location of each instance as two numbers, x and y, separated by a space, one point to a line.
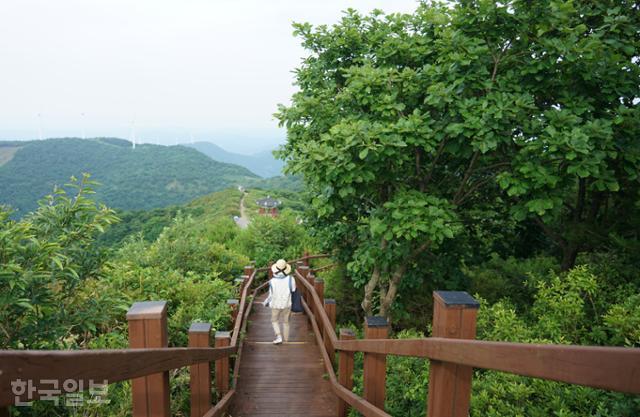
569 255
367 302
387 299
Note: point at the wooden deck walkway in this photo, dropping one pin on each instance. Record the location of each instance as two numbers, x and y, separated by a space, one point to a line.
285 380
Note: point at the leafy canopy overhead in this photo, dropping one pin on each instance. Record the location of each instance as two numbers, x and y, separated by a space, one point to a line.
405 126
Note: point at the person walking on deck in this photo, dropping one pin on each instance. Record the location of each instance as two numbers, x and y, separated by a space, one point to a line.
279 300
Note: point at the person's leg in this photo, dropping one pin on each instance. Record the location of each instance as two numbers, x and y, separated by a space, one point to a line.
275 313
285 316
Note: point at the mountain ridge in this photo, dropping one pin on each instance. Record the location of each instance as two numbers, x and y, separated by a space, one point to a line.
261 163
146 177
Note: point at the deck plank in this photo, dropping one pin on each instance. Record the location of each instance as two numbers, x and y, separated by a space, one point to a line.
286 380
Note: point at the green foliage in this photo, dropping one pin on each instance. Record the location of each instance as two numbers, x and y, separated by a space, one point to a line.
268 239
465 107
62 290
564 311
511 277
44 259
148 177
152 222
192 246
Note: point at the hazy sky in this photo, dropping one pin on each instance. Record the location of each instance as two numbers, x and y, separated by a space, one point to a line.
211 69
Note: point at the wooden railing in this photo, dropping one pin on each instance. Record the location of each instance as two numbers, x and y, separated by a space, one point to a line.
452 352
146 363
453 355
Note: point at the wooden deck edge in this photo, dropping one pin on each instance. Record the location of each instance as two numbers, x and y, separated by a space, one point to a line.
357 402
221 406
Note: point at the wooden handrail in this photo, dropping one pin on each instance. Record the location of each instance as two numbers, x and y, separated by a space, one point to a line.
99 365
323 268
240 317
326 323
354 400
611 368
308 257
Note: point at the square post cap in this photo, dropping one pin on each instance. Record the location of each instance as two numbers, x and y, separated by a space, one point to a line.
200 328
223 335
376 321
347 332
456 299
329 300
232 301
147 310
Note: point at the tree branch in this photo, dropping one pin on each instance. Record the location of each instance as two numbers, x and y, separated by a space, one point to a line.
439 152
467 174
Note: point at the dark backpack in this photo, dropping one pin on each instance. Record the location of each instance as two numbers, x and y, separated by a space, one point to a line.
296 299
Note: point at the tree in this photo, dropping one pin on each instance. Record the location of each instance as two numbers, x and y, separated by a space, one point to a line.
43 259
404 125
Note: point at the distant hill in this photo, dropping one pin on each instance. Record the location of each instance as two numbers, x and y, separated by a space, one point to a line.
148 177
261 163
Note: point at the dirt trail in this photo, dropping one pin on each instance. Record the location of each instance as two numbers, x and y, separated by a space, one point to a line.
243 220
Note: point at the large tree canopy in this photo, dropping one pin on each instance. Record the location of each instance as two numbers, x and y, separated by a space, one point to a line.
406 126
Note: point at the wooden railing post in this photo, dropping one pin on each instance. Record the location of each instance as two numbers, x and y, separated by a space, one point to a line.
200 380
239 282
148 329
454 316
311 279
248 270
233 307
223 339
245 279
270 271
304 271
318 285
330 309
305 258
345 371
375 364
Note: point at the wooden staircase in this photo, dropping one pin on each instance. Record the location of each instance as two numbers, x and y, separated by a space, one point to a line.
255 378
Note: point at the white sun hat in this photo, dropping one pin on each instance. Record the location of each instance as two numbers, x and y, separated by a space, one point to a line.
281 266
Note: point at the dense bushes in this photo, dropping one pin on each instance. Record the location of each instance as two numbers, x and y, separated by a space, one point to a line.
44 260
268 239
61 289
565 309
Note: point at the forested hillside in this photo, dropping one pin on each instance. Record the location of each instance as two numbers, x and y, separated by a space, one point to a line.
146 177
